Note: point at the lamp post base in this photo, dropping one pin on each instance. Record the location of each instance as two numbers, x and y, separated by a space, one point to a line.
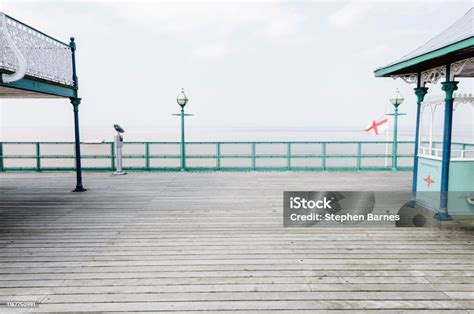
443 216
79 188
119 173
183 170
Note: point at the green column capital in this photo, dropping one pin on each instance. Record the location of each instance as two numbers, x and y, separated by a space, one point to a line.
72 44
420 93
449 88
75 102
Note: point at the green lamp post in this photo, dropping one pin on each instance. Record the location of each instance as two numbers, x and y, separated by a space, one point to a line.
396 100
182 100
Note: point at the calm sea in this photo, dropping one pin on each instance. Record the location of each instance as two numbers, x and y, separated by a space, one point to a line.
140 133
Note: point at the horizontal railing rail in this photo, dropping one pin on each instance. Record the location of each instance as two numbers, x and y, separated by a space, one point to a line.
211 156
464 153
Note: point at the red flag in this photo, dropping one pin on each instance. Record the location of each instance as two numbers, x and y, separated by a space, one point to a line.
377 126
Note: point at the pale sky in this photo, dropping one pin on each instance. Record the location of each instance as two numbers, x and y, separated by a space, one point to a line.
243 64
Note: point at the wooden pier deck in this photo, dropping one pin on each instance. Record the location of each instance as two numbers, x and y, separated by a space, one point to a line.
198 242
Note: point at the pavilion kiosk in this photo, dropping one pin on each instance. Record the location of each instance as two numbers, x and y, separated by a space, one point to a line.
35 65
443 175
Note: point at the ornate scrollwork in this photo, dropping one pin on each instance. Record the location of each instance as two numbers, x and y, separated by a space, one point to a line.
410 78
21 61
457 67
46 58
432 76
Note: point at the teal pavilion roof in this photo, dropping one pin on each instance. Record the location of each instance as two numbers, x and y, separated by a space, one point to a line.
453 44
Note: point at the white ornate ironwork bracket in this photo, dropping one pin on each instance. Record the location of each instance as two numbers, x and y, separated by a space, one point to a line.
457 67
410 78
432 76
21 61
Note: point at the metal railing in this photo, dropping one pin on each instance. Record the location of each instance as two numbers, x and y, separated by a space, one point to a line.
465 153
244 156
210 156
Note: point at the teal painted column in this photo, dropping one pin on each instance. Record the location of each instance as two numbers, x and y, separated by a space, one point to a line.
75 101
448 87
183 150
420 93
75 104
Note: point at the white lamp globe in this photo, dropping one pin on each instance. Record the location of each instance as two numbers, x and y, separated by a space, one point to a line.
397 98
182 100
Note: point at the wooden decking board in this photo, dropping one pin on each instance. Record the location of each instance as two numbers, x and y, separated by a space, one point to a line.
176 296
316 312
198 242
248 286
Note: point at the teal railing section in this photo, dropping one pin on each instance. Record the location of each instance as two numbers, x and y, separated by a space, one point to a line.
210 156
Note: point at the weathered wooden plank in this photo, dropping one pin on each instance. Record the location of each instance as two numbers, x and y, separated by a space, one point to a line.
240 296
195 286
263 306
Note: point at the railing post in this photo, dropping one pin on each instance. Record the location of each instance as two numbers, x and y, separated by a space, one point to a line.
112 156
254 163
218 156
289 156
38 157
359 155
463 151
323 162
1 158
147 156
